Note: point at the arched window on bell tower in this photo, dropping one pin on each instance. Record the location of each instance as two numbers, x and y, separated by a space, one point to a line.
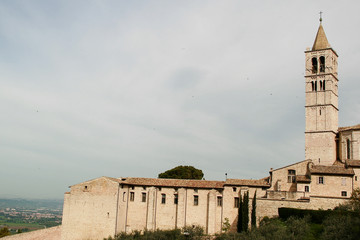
324 85
314 65
322 64
312 86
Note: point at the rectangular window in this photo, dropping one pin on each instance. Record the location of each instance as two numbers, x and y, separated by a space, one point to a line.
343 181
343 193
195 190
306 188
176 199
320 180
236 202
132 196
143 197
291 176
163 198
234 189
219 201
196 200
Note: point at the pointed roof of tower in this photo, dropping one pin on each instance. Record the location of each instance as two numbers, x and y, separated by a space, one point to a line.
321 41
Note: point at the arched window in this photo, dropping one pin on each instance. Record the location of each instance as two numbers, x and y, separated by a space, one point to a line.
315 85
324 85
322 64
348 148
312 85
314 65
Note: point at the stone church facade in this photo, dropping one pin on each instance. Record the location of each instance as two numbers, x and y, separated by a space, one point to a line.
106 206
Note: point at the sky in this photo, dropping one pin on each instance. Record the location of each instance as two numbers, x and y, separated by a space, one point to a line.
134 88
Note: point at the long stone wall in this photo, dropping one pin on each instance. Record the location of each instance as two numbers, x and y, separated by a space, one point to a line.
53 233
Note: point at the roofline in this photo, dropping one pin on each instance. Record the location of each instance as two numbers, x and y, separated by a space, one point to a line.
290 165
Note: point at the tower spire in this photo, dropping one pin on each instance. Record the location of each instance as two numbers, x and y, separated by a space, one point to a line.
321 41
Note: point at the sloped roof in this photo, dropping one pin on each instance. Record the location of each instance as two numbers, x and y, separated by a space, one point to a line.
331 170
164 182
321 41
247 182
303 179
352 163
355 127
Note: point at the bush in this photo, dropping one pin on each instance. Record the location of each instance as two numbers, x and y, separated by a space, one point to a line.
186 233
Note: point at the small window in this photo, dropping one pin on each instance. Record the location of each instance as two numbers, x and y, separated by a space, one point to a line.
143 197
291 176
159 188
355 178
132 187
236 202
196 200
321 85
219 201
163 198
124 196
343 181
132 196
234 189
144 188
86 188
320 180
320 112
306 188
324 85
176 199
312 86
343 193
196 190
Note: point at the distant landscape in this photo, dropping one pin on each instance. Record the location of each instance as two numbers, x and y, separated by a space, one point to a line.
22 215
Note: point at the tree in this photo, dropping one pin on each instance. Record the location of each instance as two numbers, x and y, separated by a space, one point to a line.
245 214
240 215
4 232
253 212
183 172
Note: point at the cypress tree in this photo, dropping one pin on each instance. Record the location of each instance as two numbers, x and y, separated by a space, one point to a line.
253 212
245 212
240 215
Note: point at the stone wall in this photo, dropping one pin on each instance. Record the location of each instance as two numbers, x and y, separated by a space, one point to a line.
53 233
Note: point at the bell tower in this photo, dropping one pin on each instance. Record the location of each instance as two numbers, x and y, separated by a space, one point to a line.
321 101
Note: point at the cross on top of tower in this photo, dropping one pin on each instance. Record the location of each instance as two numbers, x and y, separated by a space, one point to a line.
320 16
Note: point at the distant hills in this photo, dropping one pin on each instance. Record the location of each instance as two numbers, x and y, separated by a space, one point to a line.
31 203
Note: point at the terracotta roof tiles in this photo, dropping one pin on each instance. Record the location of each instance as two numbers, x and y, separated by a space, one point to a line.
331 170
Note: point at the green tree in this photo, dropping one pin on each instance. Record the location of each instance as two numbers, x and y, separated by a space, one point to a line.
4 232
253 212
183 172
245 214
240 215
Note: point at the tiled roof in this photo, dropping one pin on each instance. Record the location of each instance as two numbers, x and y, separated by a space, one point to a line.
247 182
303 178
164 182
331 170
352 163
355 127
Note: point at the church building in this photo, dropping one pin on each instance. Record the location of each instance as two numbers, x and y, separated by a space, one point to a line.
106 206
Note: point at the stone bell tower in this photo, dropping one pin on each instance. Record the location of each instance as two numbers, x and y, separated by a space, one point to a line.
321 102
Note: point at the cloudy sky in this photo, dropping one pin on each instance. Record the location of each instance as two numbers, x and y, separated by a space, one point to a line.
133 88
